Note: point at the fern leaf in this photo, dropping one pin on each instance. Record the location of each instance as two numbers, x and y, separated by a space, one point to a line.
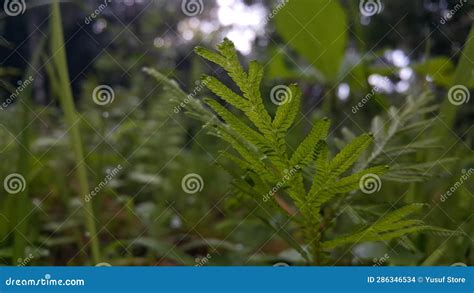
352 182
225 93
260 142
286 113
304 154
396 226
349 155
239 162
255 77
400 214
369 235
241 128
399 233
251 158
322 169
233 66
211 56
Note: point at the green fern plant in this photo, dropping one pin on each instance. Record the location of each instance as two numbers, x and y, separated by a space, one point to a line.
269 168
410 122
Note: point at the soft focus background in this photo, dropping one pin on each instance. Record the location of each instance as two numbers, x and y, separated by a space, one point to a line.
139 145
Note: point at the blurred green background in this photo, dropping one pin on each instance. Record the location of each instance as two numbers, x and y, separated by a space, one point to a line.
337 51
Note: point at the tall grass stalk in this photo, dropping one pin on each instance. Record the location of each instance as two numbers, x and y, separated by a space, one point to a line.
24 161
67 102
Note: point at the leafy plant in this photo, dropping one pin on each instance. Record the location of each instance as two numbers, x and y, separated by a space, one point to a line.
409 123
269 168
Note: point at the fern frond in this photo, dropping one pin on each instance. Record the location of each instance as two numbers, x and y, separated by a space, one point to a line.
400 214
305 152
412 172
322 170
411 120
260 152
349 155
255 77
287 112
236 160
241 128
225 93
388 227
251 103
211 56
352 182
250 157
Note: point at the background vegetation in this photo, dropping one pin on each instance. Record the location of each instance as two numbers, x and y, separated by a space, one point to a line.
95 150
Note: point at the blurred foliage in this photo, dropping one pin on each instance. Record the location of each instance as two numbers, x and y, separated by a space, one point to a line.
402 62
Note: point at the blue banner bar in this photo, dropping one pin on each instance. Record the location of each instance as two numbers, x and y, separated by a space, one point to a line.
238 279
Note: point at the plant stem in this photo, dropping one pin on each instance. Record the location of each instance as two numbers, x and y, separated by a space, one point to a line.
67 103
24 160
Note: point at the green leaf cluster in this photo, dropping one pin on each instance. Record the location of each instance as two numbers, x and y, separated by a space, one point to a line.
272 174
